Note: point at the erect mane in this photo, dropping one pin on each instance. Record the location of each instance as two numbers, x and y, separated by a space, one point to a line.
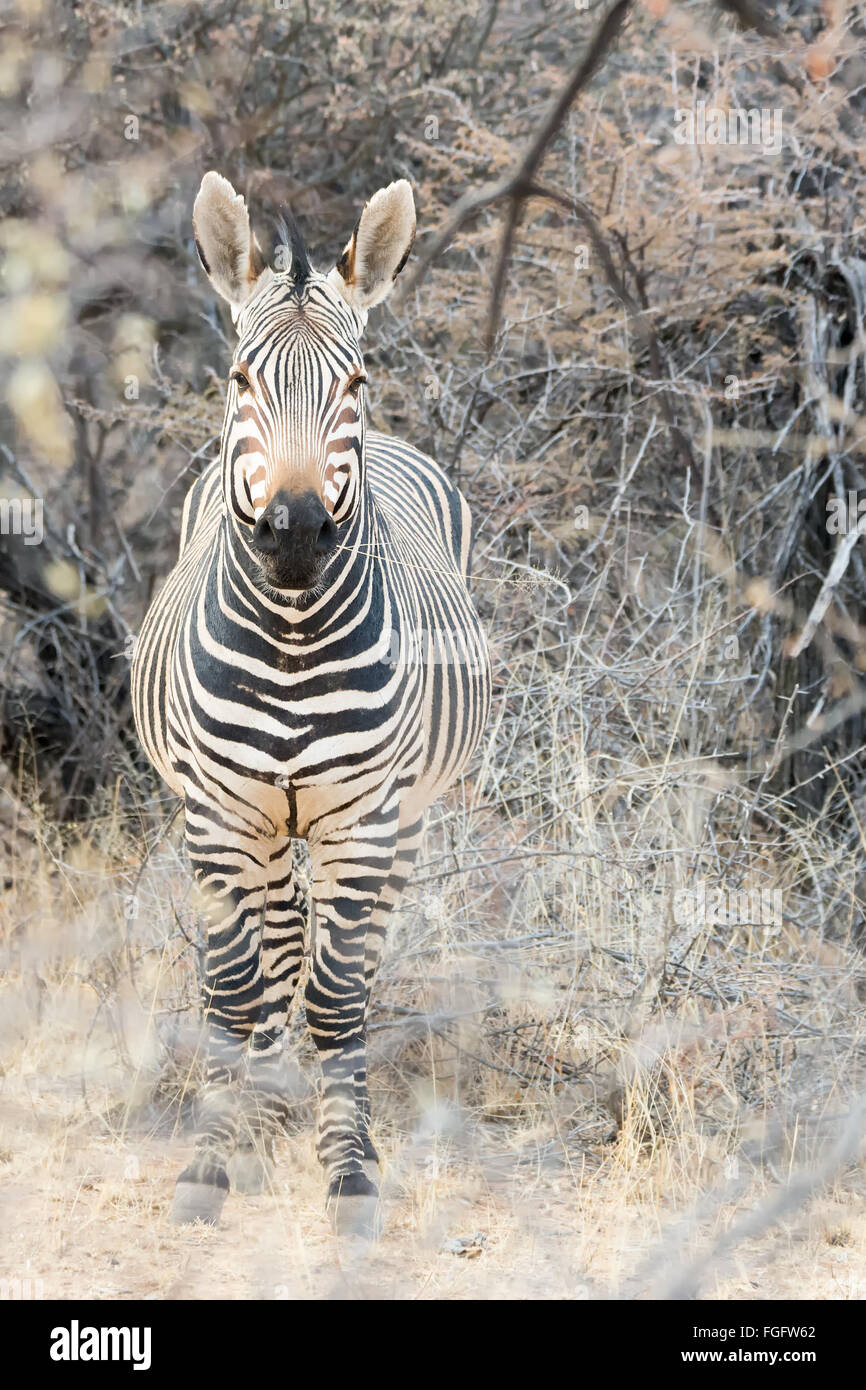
289 234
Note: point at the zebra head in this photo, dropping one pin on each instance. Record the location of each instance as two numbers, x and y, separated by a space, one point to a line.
294 429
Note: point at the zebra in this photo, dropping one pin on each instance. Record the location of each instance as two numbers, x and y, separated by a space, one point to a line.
313 668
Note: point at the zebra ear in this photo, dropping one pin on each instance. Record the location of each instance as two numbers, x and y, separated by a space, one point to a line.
378 248
227 249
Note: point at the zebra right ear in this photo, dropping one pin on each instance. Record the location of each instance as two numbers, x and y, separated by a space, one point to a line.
231 256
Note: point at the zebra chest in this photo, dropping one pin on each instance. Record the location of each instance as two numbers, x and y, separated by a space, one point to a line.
300 744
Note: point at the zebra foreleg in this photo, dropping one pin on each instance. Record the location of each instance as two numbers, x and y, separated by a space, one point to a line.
264 1102
408 844
232 884
349 873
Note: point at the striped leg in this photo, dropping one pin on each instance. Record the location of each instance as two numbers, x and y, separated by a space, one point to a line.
408 844
264 1102
350 869
231 881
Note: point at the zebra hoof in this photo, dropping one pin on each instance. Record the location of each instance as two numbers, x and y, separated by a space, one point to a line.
200 1195
251 1172
353 1203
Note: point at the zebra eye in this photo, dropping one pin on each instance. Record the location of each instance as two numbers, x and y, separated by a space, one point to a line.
240 379
355 383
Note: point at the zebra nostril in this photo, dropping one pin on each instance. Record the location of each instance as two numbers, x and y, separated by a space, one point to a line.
264 535
326 537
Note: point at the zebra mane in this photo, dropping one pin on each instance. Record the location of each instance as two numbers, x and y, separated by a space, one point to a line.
288 234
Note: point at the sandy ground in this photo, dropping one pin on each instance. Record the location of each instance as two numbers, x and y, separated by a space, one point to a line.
85 1217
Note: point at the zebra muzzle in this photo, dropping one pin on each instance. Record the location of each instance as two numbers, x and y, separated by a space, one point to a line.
294 537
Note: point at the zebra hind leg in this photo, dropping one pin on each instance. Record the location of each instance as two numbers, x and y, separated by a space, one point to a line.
262 1115
349 872
232 886
408 844
203 1185
251 1166
264 1102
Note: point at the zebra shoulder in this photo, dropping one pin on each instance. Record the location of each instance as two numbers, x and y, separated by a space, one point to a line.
396 467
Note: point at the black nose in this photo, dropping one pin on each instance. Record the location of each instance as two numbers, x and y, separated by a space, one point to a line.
294 537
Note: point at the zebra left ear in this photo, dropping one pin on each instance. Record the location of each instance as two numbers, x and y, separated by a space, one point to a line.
378 248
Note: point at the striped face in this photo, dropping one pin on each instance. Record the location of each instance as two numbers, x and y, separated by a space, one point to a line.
293 437
294 412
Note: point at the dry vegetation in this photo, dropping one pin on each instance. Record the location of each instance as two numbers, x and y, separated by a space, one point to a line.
580 1090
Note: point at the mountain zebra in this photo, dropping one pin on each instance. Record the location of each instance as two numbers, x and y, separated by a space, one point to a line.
312 668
